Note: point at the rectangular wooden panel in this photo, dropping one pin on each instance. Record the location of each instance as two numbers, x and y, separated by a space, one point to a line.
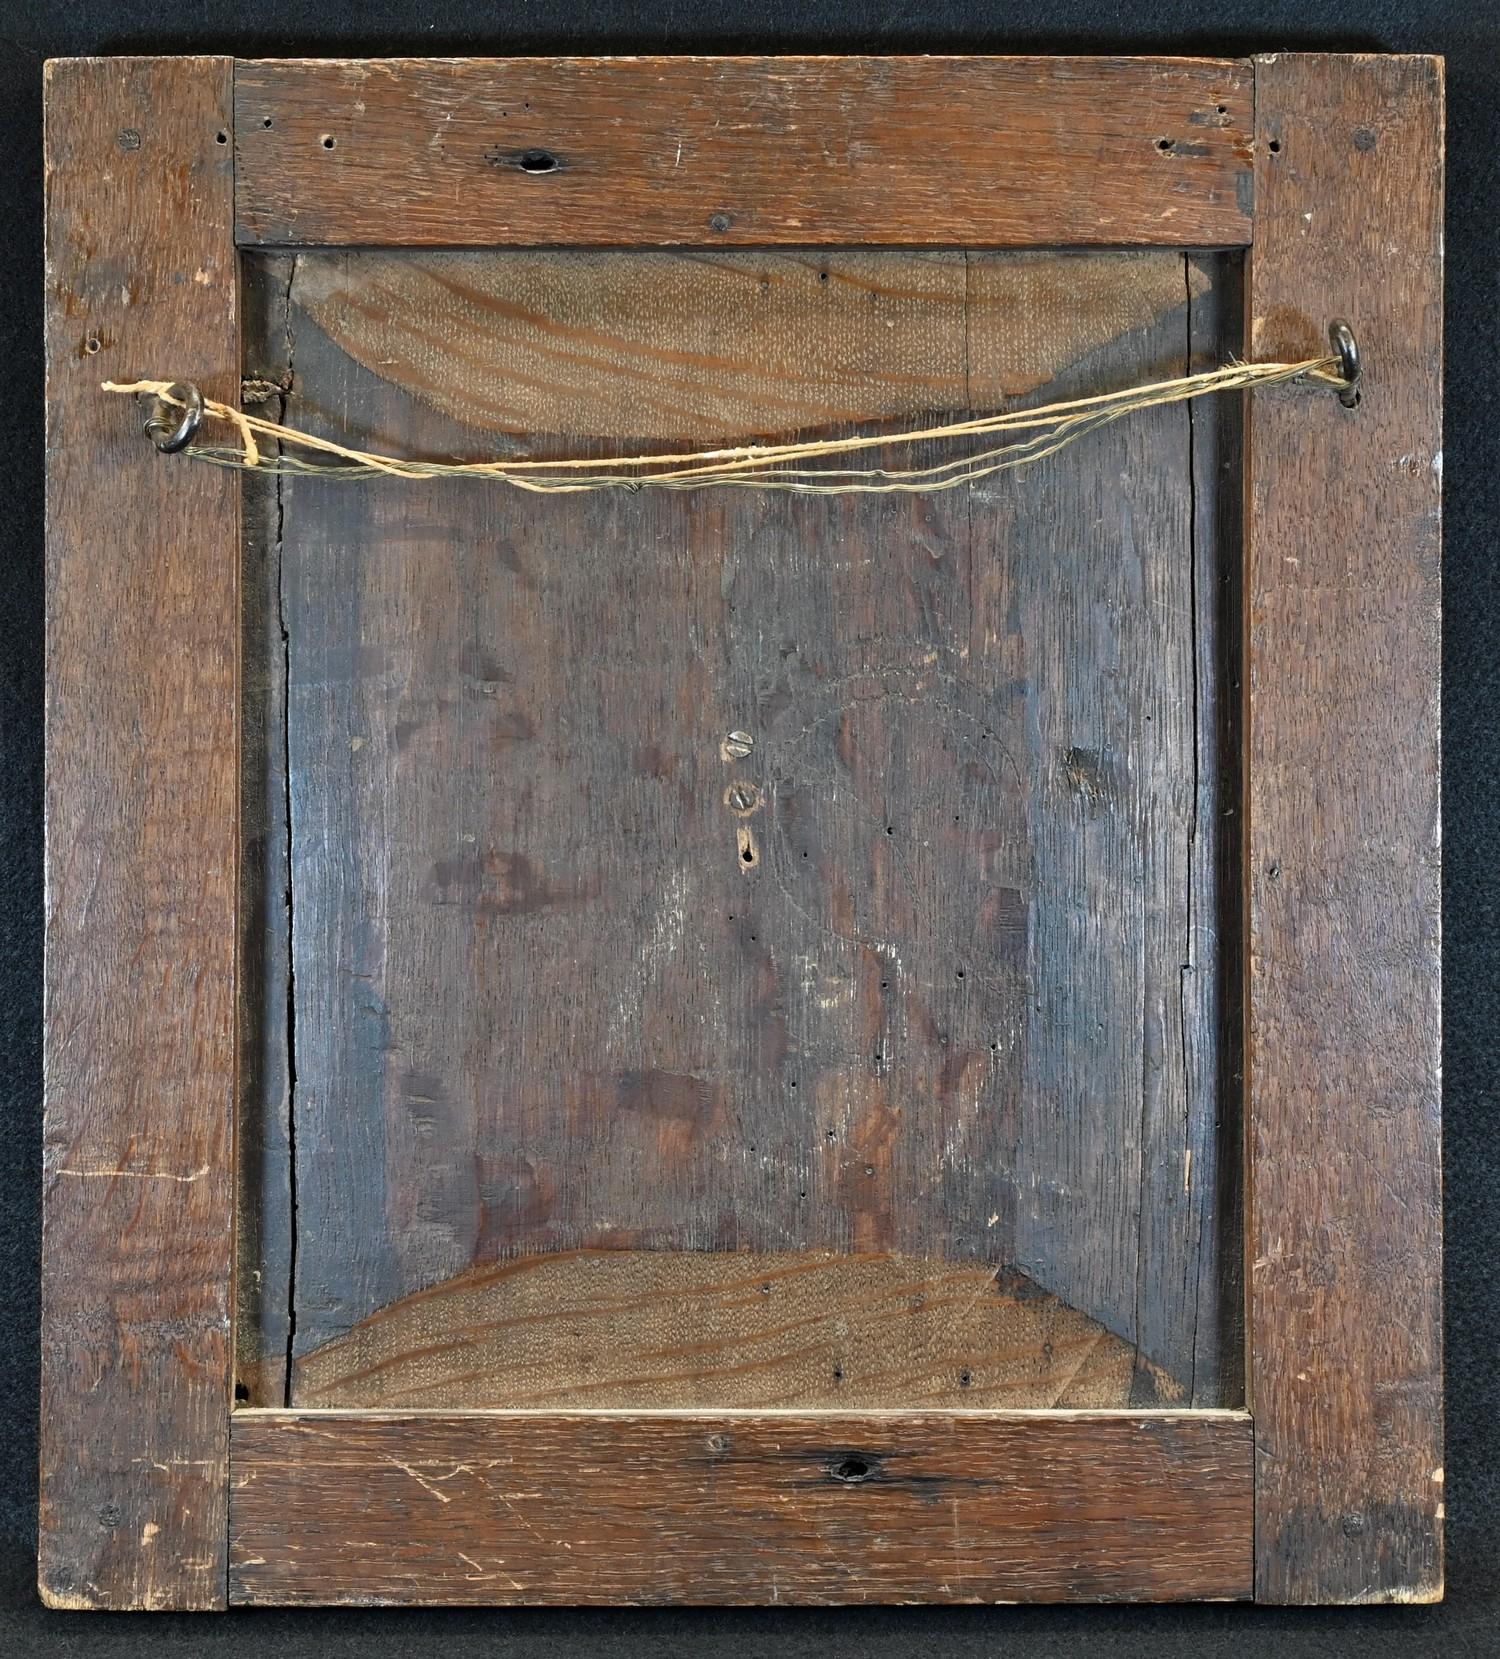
973 1507
142 703
790 915
745 151
1342 859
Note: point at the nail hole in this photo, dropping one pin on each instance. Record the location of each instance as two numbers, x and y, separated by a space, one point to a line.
960 973
267 123
851 1470
1223 109
92 344
538 161
838 1375
328 141
1164 145
964 1379
1274 146
822 276
221 137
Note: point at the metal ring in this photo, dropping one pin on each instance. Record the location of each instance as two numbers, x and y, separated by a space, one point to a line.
1346 349
171 428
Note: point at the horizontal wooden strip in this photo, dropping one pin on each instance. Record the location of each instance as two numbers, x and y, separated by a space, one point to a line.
601 1508
734 152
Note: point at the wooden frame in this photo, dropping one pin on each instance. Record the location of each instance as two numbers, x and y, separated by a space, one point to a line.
155 1493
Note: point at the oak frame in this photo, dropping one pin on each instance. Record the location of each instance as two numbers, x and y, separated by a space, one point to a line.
155 1492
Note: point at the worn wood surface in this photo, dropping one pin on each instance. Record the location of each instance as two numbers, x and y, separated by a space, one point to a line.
718 347
906 977
927 151
263 1157
597 1508
1342 864
651 1329
142 623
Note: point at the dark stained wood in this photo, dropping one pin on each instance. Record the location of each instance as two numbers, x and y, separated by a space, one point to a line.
1342 861
1212 986
745 151
907 977
142 557
649 1329
263 1153
533 1508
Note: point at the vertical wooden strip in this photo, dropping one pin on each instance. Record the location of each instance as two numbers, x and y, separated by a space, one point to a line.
264 1243
142 556
1342 854
1212 1000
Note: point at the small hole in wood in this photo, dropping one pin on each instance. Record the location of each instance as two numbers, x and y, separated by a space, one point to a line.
822 276
960 973
1164 145
1274 146
1223 109
851 1470
328 141
964 1379
92 344
221 137
538 161
267 123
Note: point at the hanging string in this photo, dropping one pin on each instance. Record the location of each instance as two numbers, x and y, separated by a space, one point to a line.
1031 435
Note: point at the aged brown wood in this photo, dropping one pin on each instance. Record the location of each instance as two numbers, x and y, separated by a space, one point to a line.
649 1329
543 1000
717 347
525 1508
141 845
1342 861
745 151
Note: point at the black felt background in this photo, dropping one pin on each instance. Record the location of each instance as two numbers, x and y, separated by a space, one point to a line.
1469 35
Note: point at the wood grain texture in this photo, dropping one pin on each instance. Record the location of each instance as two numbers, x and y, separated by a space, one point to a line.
544 1001
142 620
1342 860
263 1161
717 347
650 1329
533 1508
929 151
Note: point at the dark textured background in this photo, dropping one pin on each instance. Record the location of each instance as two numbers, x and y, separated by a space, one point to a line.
1469 35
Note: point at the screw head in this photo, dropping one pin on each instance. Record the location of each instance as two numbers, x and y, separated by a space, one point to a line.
738 744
